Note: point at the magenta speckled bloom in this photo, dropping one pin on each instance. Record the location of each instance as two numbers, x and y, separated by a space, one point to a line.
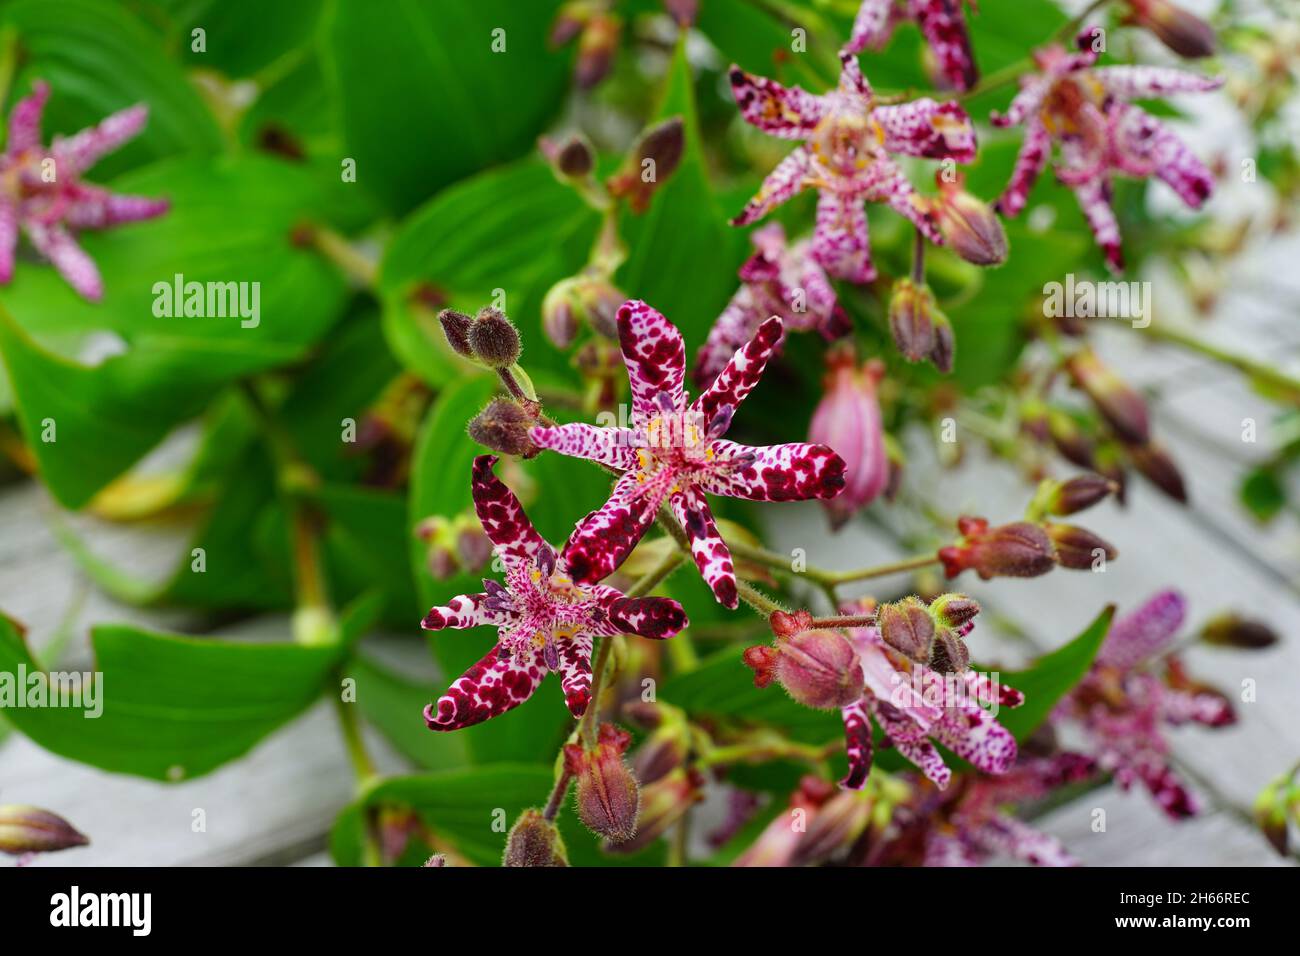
674 451
941 21
1086 111
915 704
41 191
779 279
545 621
1124 707
846 158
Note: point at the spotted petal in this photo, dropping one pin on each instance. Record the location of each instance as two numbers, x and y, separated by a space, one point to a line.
8 238
857 744
944 27
654 617
464 610
501 514
973 734
1003 833
913 745
488 689
575 672
655 358
711 554
872 25
840 238
1025 103
928 128
79 152
1094 199
1146 146
787 112
25 120
793 472
1034 151
1145 632
1152 82
783 182
615 447
605 537
96 208
56 244
720 400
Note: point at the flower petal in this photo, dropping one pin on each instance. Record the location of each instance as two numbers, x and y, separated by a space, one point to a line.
56 244
840 240
8 238
711 554
857 744
1094 199
95 208
788 178
738 378
912 744
872 25
1152 82
605 537
973 734
488 689
730 331
501 514
1033 89
792 472
464 610
575 672
1003 833
928 128
610 446
1145 632
82 150
654 617
654 355
1034 150
944 27
25 120
1159 149
897 191
787 112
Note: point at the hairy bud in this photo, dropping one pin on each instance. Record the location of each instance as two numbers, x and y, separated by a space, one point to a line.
596 47
26 829
910 320
1159 468
663 803
1077 548
819 669
834 828
1079 493
503 426
607 794
1230 630
969 226
1183 32
455 325
494 339
1017 550
907 627
1122 407
659 150
848 420
534 841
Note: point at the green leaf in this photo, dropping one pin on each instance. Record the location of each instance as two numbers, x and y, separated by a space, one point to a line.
98 59
426 101
516 229
231 221
1262 493
242 38
1052 676
396 706
173 707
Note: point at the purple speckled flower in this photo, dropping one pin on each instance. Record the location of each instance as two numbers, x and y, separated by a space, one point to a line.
846 157
1086 111
42 192
941 21
1123 706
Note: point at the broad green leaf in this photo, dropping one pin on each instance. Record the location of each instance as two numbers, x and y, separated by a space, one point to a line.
427 100
241 38
174 707
98 59
396 707
516 229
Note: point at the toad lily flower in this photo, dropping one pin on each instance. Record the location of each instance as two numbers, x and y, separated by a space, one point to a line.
1086 111
674 452
941 21
846 157
779 279
545 621
1124 707
41 191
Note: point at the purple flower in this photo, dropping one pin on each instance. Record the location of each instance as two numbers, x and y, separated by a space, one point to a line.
846 158
545 620
941 21
674 452
1086 111
1123 706
41 190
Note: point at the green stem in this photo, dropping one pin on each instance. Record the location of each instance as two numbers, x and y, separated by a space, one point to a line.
1258 370
822 576
756 599
362 765
343 254
880 570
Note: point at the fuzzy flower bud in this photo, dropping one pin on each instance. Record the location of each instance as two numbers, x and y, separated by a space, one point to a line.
534 841
607 793
818 668
665 749
1159 468
1017 550
919 329
848 420
653 159
1077 548
1078 494
503 426
907 627
560 313
970 227
663 803
1230 630
954 611
455 325
572 158
494 339
1183 32
834 828
1122 407
1069 438
596 47
26 829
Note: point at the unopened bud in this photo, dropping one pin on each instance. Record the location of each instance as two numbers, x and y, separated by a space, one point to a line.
907 627
534 841
954 611
607 794
910 319
26 829
819 669
1122 407
503 426
944 350
1017 550
1079 493
948 653
654 158
1229 630
574 158
596 48
455 325
1077 548
969 226
665 749
559 313
1159 468
683 11
569 21
663 804
1270 813
494 339
833 828
1183 32
1069 438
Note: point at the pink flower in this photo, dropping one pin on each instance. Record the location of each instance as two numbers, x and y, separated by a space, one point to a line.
674 452
941 21
42 192
545 620
1086 111
848 420
1124 707
846 157
778 280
